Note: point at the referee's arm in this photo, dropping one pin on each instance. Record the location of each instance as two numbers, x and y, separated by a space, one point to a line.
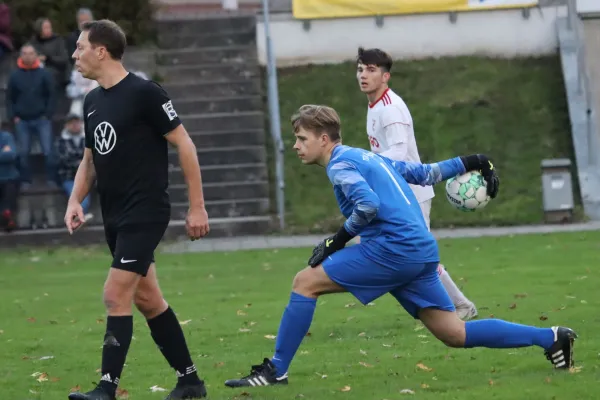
165 120
188 158
197 220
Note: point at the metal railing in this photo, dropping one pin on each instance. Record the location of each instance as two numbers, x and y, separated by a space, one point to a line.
275 118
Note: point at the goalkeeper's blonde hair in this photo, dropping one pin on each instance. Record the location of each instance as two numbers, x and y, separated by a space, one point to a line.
318 119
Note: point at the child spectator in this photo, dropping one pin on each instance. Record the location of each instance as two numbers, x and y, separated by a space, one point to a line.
69 147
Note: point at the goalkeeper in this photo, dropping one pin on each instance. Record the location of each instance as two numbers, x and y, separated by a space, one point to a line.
397 253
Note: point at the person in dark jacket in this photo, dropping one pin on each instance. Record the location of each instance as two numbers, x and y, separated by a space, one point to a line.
9 177
30 98
83 15
52 51
69 148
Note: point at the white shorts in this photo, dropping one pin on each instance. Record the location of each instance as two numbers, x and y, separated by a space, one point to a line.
426 210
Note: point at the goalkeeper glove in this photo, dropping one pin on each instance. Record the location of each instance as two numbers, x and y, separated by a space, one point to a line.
329 246
480 162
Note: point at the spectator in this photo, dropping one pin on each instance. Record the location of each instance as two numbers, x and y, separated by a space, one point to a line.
83 15
77 90
6 43
52 52
30 105
9 177
70 146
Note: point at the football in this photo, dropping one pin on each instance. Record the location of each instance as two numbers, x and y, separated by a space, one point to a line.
467 192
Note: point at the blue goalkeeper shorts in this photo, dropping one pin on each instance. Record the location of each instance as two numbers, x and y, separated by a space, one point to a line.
368 277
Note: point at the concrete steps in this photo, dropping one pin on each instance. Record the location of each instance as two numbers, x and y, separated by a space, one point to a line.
184 40
225 104
245 54
218 88
198 72
210 69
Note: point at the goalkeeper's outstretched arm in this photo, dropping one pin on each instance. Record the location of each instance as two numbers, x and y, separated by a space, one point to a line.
429 174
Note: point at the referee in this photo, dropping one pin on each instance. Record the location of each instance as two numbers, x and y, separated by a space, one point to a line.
128 122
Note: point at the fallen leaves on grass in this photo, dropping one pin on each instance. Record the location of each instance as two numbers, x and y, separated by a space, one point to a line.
41 376
346 388
491 383
575 370
424 386
240 313
543 318
187 321
122 394
75 389
424 367
321 375
270 337
547 380
520 295
156 388
350 305
46 357
513 306
244 330
219 364
364 364
31 319
407 391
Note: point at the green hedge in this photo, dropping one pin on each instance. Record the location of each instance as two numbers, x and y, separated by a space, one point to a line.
134 16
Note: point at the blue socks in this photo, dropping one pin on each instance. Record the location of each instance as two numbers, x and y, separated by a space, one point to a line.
498 334
295 323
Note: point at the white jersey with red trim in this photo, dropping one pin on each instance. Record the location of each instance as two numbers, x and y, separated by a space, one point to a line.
390 131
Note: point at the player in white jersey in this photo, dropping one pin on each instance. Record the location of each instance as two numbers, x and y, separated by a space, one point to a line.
391 133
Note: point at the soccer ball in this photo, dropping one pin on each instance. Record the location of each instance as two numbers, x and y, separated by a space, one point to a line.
467 192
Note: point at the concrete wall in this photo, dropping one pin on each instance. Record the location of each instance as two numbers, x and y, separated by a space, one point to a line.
498 33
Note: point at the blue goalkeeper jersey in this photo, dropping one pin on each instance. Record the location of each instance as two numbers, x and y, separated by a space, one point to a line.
373 194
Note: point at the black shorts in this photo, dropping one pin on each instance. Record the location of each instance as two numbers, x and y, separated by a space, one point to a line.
132 247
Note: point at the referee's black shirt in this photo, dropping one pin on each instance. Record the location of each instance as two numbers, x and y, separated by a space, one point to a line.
125 127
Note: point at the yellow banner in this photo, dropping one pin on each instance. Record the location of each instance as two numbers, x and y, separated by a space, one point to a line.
316 9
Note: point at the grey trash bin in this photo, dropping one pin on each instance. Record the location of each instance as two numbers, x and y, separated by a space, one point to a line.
557 189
